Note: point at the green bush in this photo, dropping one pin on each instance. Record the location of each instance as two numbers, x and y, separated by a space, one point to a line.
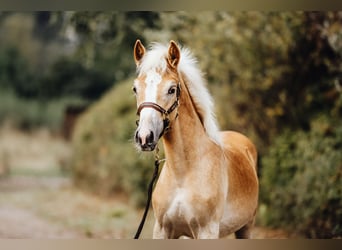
105 159
301 184
32 113
67 77
64 77
15 73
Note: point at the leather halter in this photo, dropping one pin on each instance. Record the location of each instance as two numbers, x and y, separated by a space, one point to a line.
165 113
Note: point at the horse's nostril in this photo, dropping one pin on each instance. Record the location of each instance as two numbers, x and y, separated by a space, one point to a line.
136 137
150 138
146 143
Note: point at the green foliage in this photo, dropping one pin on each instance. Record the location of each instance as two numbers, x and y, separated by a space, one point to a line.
29 113
67 77
107 39
105 160
28 100
301 182
15 73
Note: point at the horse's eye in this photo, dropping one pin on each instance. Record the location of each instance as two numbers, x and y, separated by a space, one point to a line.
171 91
134 90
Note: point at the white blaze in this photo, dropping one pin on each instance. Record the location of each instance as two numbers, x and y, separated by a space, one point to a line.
149 120
152 80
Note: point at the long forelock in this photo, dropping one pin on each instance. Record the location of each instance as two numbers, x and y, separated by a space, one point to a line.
155 58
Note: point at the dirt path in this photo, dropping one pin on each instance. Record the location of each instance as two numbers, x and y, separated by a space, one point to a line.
51 208
21 223
29 166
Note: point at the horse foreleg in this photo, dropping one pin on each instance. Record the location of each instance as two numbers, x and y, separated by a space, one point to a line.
158 231
210 231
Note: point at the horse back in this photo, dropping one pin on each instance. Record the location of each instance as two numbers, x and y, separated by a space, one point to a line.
238 144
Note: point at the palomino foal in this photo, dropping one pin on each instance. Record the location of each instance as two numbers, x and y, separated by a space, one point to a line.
208 186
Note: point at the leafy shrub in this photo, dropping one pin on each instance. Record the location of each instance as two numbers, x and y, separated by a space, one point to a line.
301 181
32 113
67 77
15 73
105 160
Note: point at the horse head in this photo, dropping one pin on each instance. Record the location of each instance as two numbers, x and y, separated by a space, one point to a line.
157 90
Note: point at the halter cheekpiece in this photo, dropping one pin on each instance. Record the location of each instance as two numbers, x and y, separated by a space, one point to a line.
165 113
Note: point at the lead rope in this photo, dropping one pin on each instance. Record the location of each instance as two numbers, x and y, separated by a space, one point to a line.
150 190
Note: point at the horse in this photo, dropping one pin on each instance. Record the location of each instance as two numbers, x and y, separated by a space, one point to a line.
208 186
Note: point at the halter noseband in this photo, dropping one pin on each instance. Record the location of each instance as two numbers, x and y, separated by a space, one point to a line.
165 113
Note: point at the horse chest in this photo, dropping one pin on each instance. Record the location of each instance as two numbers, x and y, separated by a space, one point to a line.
179 216
174 204
179 206
183 200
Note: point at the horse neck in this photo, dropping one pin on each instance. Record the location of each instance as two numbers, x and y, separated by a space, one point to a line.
184 142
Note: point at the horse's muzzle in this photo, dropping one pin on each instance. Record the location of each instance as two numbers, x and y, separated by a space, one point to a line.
148 147
146 143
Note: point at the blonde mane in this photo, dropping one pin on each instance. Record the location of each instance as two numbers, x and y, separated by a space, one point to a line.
155 58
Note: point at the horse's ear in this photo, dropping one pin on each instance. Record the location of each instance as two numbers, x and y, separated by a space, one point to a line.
139 51
173 56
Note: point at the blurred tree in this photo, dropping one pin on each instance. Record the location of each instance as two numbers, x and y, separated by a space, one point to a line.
106 39
68 77
316 67
301 184
48 25
102 44
15 74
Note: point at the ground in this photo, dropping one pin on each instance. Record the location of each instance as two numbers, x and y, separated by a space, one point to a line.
38 199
